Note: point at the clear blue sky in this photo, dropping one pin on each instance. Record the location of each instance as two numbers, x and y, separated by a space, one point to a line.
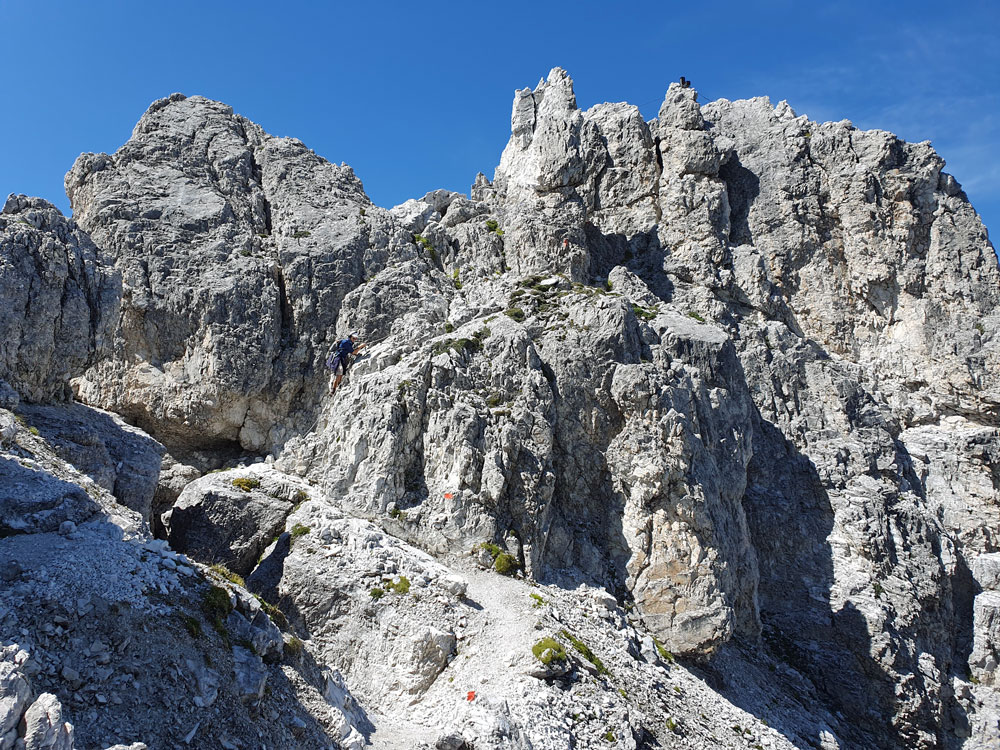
417 96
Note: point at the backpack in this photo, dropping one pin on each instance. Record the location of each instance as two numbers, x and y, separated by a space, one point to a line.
340 351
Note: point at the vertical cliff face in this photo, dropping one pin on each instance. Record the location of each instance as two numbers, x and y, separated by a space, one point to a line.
60 299
735 367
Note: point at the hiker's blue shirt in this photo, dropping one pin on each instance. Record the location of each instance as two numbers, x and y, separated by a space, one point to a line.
340 354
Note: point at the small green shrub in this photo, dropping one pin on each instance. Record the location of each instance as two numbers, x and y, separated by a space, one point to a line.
455 279
245 253
506 564
301 234
493 549
216 605
877 588
514 313
643 313
609 736
276 615
492 225
294 647
402 586
494 400
585 651
299 530
300 496
246 483
538 601
419 239
696 316
609 285
980 327
229 575
549 651
449 327
376 593
34 431
662 651
671 724
192 625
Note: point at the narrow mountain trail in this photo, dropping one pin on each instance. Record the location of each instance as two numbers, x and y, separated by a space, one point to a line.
493 649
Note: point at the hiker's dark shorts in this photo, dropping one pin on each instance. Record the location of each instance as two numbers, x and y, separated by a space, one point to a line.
339 368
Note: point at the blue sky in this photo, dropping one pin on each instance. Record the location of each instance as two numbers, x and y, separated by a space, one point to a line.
417 96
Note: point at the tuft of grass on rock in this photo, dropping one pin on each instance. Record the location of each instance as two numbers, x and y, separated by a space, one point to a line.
506 564
402 586
549 651
643 313
301 234
299 530
585 651
538 601
515 314
662 651
216 605
276 615
246 483
229 575
293 647
192 625
376 593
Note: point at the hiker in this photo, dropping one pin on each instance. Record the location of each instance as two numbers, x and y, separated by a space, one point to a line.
340 359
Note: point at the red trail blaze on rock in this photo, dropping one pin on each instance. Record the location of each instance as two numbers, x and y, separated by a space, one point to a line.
471 695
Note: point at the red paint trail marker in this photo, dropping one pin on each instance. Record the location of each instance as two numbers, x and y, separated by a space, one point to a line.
471 695
449 496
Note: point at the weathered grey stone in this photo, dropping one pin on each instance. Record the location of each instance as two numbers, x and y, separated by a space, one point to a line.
251 674
60 299
229 517
43 727
14 695
120 458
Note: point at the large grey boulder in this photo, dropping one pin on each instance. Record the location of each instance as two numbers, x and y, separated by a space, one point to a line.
60 299
229 517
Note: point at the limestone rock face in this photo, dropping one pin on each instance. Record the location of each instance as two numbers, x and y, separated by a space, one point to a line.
236 250
60 299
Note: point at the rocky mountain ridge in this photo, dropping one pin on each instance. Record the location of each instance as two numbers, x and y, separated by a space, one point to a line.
719 390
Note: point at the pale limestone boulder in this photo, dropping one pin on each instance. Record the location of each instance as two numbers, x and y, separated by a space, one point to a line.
43 725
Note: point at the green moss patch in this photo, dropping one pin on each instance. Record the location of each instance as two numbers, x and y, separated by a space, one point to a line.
246 483
585 651
549 651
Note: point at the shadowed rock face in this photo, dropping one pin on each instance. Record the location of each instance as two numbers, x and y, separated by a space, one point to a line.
736 367
60 300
